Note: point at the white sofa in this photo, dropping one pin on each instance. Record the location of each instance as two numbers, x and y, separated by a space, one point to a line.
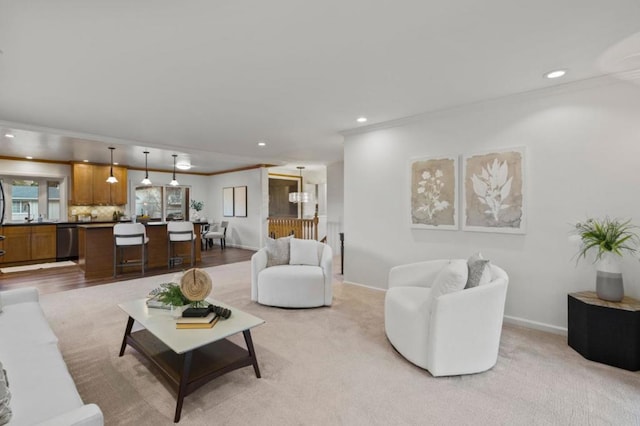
455 333
293 286
42 390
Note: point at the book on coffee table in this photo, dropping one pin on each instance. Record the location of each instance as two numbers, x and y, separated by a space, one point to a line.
197 322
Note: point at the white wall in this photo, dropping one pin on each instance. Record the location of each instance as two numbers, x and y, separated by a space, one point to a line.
582 158
335 204
243 232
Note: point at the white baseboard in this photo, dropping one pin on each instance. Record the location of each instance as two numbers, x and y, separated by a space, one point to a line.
535 325
365 286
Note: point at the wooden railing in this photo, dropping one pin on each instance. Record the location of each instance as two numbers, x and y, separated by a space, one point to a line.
306 229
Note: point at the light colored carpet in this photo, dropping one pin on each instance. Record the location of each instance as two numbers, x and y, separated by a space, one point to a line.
332 366
36 266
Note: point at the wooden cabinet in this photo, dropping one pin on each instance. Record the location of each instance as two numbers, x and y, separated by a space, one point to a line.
43 242
82 184
119 190
28 243
17 244
90 187
101 189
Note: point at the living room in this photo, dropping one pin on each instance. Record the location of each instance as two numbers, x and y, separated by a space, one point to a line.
578 136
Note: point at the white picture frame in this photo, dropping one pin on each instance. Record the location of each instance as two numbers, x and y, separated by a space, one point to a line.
434 192
493 191
227 202
240 201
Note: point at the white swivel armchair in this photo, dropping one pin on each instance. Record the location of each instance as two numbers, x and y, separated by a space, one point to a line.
304 284
455 333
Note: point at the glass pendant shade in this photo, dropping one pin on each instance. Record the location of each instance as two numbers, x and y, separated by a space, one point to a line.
111 178
146 180
299 197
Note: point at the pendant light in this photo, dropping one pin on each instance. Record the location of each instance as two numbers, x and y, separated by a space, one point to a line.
299 197
174 182
146 180
111 178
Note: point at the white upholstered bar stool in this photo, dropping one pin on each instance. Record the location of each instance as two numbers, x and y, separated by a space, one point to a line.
129 235
180 232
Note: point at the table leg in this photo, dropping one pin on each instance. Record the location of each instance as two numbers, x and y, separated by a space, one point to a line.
252 352
184 379
127 333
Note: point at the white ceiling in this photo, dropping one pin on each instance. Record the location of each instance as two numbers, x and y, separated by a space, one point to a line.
208 79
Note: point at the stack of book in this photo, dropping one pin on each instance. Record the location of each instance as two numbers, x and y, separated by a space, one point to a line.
198 322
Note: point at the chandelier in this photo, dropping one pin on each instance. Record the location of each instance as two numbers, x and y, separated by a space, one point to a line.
299 197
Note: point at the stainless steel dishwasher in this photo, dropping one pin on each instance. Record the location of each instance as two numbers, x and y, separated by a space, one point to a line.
66 241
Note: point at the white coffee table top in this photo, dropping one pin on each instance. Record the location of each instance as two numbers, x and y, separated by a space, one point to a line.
162 324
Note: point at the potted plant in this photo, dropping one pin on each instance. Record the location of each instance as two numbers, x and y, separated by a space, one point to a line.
611 239
197 206
171 294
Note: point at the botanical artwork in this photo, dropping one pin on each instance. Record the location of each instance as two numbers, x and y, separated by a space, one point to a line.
494 192
434 183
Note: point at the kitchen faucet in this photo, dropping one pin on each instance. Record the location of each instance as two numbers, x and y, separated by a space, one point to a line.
28 218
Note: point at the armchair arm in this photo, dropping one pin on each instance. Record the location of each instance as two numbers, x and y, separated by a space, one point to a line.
326 263
465 329
20 295
258 263
419 274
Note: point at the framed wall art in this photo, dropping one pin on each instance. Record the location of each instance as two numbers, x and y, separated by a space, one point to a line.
434 192
227 202
240 201
493 187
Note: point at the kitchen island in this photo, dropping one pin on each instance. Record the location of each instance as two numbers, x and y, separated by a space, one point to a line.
95 249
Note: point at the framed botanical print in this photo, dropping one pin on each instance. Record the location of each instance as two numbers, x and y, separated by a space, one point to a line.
493 189
434 192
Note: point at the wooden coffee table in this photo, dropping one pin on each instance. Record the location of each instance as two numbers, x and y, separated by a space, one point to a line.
189 358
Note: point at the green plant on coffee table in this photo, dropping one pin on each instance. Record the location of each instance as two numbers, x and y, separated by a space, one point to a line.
606 236
170 294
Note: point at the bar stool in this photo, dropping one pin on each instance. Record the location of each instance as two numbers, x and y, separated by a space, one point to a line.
179 232
129 235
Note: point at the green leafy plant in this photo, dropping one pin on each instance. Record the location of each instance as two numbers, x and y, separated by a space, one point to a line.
197 205
606 236
170 294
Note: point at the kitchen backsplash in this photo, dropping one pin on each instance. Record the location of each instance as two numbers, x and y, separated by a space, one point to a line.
89 213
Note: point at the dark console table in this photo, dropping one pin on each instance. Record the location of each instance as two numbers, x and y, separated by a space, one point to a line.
606 332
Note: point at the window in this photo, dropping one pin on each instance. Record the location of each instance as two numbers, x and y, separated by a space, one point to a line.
31 198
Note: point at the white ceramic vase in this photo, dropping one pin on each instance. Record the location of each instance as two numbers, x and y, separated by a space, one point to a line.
609 277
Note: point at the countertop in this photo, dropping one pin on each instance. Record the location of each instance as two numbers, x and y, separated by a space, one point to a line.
36 223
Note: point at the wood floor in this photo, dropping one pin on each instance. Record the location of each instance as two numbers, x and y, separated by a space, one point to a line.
68 278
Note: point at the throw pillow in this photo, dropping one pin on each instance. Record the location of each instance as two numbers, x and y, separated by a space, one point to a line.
450 279
278 251
479 271
304 252
5 397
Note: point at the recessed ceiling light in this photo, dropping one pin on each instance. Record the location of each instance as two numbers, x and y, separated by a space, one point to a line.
115 163
362 119
85 161
9 135
28 157
183 165
262 143
555 74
